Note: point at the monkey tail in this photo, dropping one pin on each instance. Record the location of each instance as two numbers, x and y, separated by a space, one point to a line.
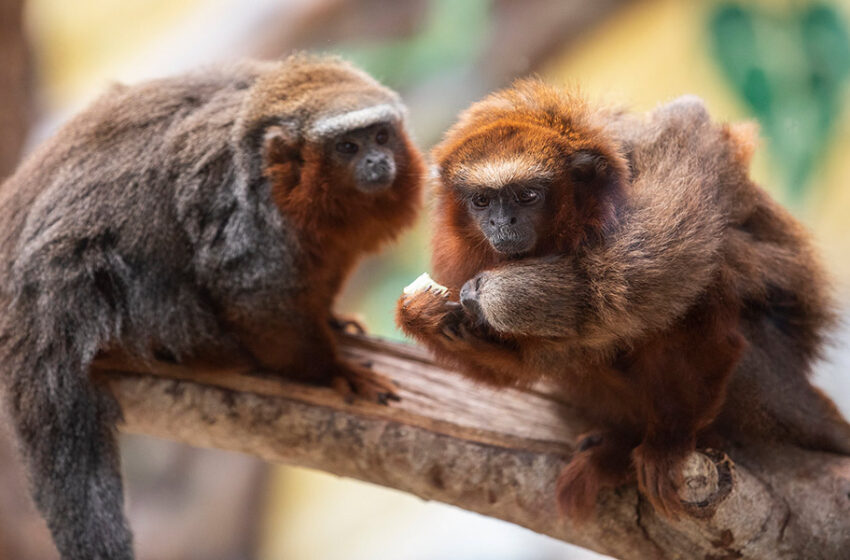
67 435
771 398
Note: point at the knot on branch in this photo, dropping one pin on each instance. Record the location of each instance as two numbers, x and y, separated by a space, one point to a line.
707 480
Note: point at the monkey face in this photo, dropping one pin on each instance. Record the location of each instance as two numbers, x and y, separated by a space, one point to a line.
509 217
368 154
526 201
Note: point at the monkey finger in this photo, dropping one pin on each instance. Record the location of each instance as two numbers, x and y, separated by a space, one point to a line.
355 382
657 481
409 298
341 386
439 293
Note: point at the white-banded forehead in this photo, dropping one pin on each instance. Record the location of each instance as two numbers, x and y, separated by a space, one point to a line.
335 125
496 172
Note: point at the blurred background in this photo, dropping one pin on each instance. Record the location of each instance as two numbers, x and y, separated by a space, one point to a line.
783 63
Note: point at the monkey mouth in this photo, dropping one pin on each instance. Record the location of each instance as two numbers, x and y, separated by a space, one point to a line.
376 186
511 246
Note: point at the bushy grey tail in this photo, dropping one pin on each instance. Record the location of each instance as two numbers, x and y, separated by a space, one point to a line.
66 429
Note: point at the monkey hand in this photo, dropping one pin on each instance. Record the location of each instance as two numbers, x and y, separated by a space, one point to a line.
430 316
426 310
426 313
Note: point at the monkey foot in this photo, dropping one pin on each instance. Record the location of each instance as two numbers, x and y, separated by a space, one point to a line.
356 382
601 461
659 475
346 325
578 486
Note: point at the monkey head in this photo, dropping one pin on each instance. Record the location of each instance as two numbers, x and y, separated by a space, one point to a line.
525 173
368 155
329 136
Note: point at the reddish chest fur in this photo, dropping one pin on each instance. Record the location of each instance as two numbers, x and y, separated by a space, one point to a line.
337 223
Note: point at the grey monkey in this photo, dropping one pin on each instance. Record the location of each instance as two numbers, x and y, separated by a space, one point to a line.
213 212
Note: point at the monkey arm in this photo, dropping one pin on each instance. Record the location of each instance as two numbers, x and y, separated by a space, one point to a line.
457 339
594 302
647 275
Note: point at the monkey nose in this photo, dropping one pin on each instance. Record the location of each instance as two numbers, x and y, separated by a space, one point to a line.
503 221
378 173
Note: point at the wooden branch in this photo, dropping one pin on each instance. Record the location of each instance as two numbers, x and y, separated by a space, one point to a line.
494 452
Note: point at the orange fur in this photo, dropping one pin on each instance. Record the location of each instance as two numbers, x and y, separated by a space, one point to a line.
334 222
503 126
675 301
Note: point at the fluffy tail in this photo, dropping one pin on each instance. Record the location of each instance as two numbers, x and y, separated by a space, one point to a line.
770 396
66 428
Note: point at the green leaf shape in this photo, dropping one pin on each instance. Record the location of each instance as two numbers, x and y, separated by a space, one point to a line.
790 69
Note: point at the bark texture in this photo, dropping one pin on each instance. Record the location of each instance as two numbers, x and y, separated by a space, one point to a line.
497 453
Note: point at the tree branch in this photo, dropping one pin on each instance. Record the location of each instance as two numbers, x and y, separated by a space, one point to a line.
494 452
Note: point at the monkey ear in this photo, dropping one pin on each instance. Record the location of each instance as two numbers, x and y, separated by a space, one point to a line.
281 158
265 144
588 167
596 175
279 145
598 188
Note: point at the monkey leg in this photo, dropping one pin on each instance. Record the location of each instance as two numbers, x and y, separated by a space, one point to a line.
307 353
682 377
771 399
602 460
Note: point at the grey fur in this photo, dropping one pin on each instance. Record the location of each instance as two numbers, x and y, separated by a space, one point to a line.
140 224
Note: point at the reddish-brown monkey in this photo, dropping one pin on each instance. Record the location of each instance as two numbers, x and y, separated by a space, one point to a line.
631 260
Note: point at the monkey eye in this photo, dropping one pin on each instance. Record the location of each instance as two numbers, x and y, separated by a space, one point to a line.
346 147
480 201
527 196
382 136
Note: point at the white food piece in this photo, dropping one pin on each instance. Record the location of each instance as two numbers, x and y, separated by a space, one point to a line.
423 283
